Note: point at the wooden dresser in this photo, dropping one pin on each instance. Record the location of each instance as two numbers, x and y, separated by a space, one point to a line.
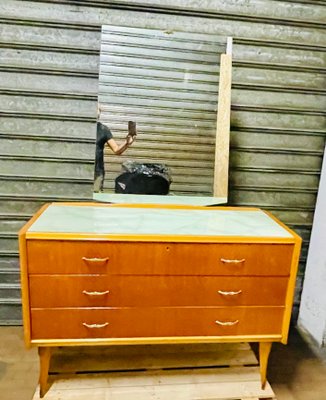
98 274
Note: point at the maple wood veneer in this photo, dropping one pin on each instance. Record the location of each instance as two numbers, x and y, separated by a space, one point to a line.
53 291
154 322
138 258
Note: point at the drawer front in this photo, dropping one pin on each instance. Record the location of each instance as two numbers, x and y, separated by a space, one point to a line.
132 258
48 291
155 322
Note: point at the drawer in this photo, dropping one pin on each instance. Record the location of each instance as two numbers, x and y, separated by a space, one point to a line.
49 291
133 258
155 322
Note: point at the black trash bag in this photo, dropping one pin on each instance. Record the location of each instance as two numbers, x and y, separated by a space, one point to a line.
143 178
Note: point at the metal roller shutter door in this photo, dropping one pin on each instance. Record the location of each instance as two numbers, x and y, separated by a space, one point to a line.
49 65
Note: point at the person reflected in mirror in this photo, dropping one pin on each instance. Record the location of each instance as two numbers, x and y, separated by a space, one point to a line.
104 136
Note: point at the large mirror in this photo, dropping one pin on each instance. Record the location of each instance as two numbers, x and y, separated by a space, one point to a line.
163 123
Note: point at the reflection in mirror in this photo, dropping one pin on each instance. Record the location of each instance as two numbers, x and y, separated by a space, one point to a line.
157 117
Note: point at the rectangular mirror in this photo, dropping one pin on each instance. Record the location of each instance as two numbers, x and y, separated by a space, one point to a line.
163 86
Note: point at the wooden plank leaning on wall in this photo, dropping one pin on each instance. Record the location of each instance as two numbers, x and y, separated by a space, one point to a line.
221 167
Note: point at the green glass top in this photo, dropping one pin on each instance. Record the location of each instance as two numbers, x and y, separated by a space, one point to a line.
114 220
158 199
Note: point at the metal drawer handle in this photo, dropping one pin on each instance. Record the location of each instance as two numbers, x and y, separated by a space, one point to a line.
95 326
227 323
96 260
226 261
96 293
229 293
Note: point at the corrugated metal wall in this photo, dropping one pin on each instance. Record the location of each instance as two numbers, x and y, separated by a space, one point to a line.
48 74
167 82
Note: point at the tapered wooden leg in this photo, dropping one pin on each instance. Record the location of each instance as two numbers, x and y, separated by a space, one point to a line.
45 357
264 350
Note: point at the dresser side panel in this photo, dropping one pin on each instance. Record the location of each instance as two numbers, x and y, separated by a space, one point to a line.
23 260
291 290
24 289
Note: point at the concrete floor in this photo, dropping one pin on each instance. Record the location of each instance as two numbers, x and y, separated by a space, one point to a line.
296 371
18 367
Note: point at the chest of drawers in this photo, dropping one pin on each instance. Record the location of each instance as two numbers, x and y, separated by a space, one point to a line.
97 274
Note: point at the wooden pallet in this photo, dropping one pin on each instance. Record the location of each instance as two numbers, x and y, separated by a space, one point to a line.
160 372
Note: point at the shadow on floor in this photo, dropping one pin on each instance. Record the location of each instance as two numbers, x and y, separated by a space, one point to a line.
297 371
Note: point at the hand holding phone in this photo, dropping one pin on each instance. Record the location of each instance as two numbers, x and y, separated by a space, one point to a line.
132 128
